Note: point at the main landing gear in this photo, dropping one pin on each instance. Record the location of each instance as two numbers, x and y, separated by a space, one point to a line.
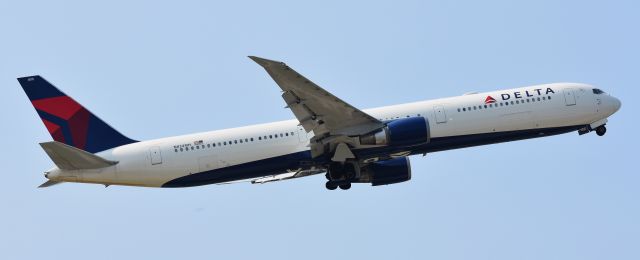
601 130
332 185
340 175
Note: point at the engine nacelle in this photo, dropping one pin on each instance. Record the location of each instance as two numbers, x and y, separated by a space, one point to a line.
386 172
400 132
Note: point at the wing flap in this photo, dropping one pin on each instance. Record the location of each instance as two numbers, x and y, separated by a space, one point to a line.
287 176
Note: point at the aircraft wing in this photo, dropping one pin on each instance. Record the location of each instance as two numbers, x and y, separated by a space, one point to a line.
317 109
278 177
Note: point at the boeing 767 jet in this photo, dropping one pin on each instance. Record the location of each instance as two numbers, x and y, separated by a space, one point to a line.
328 135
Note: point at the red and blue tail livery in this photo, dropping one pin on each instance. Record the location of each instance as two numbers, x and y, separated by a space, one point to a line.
69 122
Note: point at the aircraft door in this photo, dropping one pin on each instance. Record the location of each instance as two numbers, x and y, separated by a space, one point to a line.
569 97
441 116
156 155
302 135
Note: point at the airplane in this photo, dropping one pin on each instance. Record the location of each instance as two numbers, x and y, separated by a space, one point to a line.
327 136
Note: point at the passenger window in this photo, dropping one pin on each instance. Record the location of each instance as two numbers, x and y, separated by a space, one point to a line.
251 139
218 143
259 137
191 148
286 134
538 99
240 140
235 141
464 109
225 143
280 135
214 144
176 150
181 149
458 109
270 136
208 145
485 106
549 97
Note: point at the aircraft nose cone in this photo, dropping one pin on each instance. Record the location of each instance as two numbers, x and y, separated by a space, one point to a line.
616 104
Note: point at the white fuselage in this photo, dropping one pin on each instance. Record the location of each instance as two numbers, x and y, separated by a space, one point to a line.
155 162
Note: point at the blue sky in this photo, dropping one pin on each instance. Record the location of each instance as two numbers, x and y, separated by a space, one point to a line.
155 69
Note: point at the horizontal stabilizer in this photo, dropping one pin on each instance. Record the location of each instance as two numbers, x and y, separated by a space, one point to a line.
70 158
49 184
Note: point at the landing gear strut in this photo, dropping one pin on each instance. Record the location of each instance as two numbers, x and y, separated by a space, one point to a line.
601 130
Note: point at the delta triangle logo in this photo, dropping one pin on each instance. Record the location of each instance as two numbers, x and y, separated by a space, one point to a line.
489 100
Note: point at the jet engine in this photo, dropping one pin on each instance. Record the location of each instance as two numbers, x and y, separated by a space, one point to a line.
400 132
386 172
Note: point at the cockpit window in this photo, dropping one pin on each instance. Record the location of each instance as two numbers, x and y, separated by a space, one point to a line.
597 91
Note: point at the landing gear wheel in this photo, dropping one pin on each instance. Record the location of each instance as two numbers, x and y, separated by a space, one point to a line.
601 130
335 171
345 186
330 186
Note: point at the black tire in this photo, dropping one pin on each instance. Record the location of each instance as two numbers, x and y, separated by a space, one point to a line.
345 186
601 130
336 171
330 186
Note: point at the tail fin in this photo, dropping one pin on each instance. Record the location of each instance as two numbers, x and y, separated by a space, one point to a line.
69 122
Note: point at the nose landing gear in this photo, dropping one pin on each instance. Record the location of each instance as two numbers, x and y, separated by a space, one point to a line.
601 130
